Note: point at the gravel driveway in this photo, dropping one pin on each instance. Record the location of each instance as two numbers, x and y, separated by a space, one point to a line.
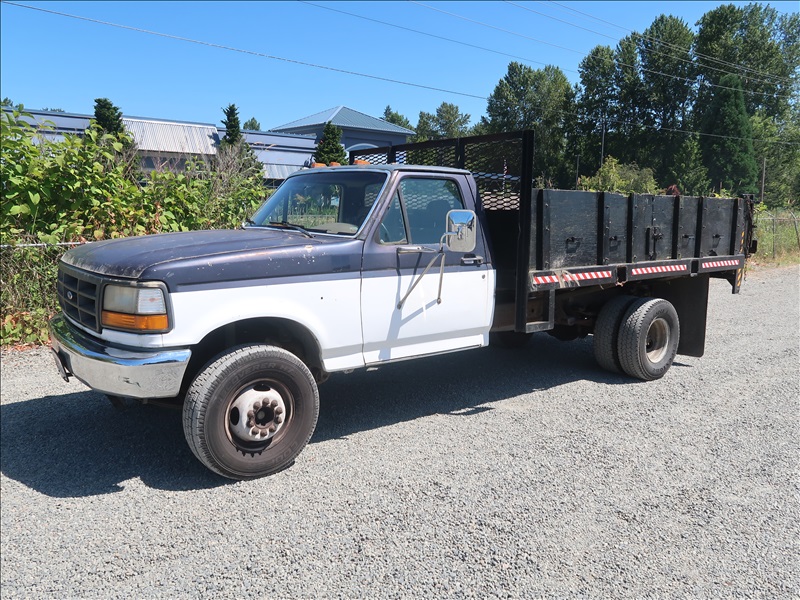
487 474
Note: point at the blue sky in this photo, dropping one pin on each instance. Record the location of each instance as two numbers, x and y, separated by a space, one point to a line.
56 61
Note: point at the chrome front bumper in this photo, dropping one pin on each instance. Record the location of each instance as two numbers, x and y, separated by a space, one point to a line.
104 368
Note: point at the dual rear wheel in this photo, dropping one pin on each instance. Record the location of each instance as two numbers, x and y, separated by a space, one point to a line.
638 336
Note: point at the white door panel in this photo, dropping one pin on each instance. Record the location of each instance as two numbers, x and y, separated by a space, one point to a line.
423 326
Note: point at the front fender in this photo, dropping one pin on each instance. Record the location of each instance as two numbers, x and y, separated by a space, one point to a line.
330 309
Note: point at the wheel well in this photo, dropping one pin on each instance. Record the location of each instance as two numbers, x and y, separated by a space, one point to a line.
282 333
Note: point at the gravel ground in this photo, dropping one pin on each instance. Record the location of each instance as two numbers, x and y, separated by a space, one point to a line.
487 474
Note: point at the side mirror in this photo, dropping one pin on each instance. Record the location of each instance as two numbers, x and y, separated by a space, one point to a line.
462 231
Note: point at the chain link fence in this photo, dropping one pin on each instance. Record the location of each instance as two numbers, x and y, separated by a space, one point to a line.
778 235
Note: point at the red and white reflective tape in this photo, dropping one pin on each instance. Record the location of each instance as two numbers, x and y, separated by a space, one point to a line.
542 279
721 263
661 269
587 275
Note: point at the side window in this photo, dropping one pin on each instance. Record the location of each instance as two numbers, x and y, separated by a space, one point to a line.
393 226
427 202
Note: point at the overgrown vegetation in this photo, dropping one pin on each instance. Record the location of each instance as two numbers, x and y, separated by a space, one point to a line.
91 187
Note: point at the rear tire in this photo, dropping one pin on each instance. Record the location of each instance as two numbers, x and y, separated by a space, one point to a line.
648 338
606 332
251 411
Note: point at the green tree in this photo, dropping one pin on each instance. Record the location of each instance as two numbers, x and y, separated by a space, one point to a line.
542 100
668 75
686 169
629 138
776 143
614 176
728 144
233 130
447 122
251 125
9 103
108 116
329 149
395 118
757 43
597 98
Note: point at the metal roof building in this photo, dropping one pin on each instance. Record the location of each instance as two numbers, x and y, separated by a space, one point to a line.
163 142
283 150
359 130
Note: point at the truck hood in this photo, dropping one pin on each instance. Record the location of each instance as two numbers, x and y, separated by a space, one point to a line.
196 257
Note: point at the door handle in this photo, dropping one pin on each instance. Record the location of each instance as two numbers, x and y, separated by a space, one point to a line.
470 260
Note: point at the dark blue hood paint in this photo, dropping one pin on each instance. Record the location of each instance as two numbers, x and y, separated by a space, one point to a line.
197 257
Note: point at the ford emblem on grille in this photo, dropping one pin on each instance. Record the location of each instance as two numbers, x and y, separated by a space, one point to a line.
70 295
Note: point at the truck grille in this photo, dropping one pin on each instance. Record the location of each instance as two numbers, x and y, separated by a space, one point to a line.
78 295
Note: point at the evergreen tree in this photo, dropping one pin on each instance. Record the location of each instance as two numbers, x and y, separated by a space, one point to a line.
596 104
447 122
251 125
728 146
668 74
329 148
542 100
233 131
630 140
687 171
395 118
108 116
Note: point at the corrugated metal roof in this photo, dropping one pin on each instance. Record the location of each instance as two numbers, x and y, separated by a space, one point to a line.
280 171
341 116
166 136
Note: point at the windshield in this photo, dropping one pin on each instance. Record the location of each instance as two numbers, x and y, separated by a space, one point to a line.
322 201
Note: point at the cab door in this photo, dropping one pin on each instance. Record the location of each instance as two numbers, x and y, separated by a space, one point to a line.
404 241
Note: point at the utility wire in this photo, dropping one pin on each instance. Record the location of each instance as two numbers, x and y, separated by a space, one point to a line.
699 55
660 42
686 80
251 52
432 35
262 55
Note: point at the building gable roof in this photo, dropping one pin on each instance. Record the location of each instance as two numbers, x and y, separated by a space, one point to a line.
166 136
341 116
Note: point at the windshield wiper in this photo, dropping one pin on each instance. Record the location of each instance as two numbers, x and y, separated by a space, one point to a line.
292 226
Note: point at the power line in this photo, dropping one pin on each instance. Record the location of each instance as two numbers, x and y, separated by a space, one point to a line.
699 55
660 42
292 61
251 52
686 80
432 35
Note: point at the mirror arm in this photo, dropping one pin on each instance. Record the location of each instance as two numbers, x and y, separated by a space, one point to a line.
438 255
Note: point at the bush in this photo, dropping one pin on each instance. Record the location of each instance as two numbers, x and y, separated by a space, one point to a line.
90 187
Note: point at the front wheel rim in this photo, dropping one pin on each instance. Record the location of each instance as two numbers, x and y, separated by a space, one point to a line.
657 340
258 415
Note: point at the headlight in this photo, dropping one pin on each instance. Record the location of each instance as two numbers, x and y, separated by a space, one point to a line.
141 309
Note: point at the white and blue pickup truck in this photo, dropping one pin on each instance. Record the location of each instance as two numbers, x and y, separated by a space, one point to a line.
356 266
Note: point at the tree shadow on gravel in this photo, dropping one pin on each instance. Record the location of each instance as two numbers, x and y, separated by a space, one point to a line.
77 444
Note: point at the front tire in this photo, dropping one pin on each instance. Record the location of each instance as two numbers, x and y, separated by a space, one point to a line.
648 338
251 411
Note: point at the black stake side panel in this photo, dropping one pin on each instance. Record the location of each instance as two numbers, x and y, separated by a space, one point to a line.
718 222
573 228
613 211
687 241
653 227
